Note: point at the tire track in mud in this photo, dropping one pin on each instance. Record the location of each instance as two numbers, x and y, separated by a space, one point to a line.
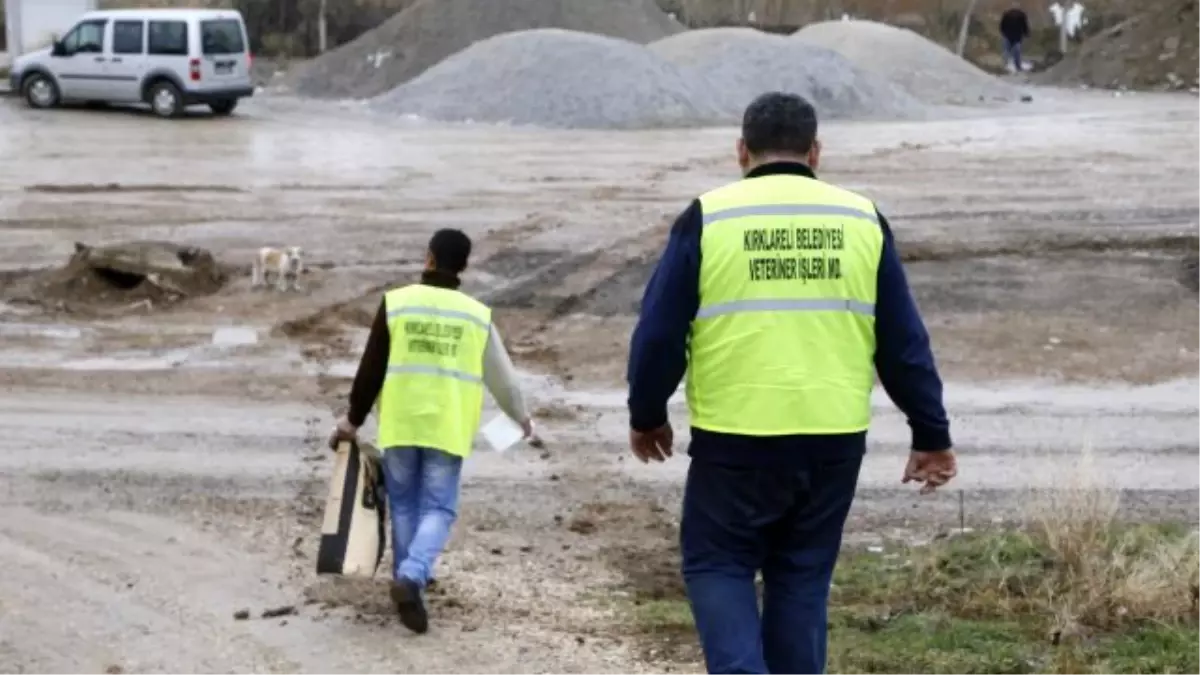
326 320
540 279
929 251
1132 218
1182 251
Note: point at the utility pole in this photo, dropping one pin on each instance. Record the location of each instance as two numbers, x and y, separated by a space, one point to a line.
966 27
1062 32
322 29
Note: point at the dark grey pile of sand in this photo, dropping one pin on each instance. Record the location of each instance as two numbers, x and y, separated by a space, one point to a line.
431 30
925 69
741 63
558 79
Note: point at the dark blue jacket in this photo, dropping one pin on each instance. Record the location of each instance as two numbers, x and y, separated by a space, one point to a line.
658 353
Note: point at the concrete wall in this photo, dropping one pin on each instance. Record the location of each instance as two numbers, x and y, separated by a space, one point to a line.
33 24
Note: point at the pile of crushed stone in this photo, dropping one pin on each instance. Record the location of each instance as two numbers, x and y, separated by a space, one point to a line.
1155 49
430 30
741 63
924 68
559 79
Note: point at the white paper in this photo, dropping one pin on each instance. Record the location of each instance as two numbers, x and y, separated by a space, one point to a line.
502 433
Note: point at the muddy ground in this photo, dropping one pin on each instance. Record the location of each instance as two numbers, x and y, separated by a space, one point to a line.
155 480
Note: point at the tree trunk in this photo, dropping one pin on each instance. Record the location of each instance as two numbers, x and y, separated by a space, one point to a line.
965 28
322 29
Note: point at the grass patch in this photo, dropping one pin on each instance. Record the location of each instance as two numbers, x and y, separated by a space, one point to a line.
1071 591
997 602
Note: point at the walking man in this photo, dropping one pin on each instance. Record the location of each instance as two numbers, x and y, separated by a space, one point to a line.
1014 28
782 297
431 351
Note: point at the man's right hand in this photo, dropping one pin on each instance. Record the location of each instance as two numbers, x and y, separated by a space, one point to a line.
652 446
342 431
932 469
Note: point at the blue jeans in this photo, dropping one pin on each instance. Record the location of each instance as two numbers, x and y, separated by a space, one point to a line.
422 486
788 524
1012 52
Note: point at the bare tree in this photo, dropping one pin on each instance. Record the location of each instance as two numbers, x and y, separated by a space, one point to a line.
322 28
965 28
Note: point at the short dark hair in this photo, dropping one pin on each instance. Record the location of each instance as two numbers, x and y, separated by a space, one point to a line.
777 122
450 250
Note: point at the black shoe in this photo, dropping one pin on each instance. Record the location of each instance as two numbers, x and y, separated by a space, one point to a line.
406 595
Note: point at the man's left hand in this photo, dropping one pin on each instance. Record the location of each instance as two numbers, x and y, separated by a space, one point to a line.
653 445
342 431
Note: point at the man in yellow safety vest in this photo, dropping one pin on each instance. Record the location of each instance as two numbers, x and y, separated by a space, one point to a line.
431 352
782 297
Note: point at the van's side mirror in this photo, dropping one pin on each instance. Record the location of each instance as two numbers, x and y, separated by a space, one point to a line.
57 49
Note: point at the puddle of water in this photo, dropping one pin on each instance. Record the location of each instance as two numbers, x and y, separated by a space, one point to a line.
30 358
7 308
344 369
229 336
53 331
164 362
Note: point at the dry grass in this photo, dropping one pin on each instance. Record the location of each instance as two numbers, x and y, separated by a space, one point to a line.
1103 575
1072 590
1073 566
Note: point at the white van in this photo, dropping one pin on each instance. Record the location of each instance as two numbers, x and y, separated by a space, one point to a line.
168 58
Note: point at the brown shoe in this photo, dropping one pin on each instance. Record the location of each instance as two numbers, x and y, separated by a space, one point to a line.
406 595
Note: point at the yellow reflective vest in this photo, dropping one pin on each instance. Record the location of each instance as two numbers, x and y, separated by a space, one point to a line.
784 339
433 394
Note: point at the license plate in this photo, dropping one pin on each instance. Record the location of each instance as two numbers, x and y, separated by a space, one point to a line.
223 67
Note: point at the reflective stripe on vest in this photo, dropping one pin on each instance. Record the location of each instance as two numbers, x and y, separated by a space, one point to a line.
768 305
790 210
432 396
784 339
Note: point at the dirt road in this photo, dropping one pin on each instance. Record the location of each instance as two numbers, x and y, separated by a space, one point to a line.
155 480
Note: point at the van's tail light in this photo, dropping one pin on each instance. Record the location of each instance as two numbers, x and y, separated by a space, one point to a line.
194 70
249 60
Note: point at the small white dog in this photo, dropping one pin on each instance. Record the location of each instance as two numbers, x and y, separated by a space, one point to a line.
286 265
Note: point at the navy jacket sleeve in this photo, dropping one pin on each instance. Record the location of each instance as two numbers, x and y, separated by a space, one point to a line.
903 356
658 349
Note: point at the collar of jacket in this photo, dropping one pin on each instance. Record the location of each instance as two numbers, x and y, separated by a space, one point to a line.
440 279
781 168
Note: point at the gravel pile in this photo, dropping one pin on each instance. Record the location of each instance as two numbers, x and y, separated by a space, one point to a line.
557 78
925 69
431 30
742 63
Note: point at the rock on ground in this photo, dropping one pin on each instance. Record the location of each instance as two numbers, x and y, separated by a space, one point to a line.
431 30
135 271
1156 49
742 63
925 69
557 78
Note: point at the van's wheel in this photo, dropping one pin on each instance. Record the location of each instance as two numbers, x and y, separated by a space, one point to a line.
165 99
223 107
40 91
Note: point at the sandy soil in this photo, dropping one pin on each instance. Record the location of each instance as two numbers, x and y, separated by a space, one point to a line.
154 481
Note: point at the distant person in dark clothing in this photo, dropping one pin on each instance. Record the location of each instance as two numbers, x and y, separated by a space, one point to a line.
1014 28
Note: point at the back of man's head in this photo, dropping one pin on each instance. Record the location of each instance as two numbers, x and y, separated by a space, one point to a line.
778 125
449 250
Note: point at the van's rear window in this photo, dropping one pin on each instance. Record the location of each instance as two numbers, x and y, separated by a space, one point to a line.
222 36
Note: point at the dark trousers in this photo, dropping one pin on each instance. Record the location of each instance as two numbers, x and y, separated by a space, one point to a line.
788 524
1012 53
